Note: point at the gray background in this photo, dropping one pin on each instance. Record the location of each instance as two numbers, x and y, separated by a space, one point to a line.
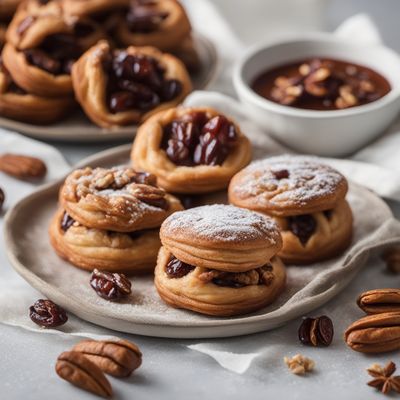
172 372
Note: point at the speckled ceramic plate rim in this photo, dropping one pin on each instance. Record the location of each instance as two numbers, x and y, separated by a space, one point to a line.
174 329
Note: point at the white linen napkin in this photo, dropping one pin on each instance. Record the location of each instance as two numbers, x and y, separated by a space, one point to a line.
16 295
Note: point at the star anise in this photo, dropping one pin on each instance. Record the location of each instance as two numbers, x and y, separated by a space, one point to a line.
383 379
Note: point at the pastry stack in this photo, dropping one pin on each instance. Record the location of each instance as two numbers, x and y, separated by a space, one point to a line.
109 219
219 260
45 39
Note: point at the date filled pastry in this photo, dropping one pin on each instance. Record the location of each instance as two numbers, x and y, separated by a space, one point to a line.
16 103
42 46
116 199
159 23
307 200
219 260
122 87
88 248
191 150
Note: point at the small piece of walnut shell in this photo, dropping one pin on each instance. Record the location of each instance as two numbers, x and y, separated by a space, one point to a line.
299 365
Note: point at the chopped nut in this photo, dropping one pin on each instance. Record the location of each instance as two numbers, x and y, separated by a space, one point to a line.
282 82
304 69
299 364
295 91
367 86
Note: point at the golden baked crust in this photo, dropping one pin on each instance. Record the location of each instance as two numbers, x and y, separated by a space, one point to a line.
332 236
30 108
171 30
30 27
147 155
192 293
288 186
115 199
89 248
90 84
221 237
8 8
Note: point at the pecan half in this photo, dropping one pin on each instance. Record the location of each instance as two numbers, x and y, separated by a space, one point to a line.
380 301
392 258
150 195
75 368
118 358
22 167
375 333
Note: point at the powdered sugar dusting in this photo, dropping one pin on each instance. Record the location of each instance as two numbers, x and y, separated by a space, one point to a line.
222 223
307 180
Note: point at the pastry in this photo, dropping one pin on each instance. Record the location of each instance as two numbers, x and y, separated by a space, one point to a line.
42 46
8 8
305 197
219 260
158 23
89 248
191 150
17 104
116 199
121 87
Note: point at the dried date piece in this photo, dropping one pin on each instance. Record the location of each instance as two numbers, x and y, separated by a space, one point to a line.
2 198
195 139
144 16
110 286
177 269
316 331
22 167
78 370
47 314
303 226
117 358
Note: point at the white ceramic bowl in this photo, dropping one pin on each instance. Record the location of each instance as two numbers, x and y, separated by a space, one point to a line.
325 133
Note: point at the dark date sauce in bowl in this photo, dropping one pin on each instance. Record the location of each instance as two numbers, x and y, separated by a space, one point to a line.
321 84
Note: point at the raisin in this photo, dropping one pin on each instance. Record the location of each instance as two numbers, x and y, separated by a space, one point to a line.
144 17
66 222
110 286
47 314
281 174
178 269
303 226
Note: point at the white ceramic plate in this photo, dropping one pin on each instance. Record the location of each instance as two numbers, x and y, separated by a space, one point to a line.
144 313
78 128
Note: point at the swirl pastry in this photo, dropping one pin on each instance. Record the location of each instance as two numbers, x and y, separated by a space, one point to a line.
132 252
158 23
191 150
117 199
219 260
305 197
17 104
123 87
42 46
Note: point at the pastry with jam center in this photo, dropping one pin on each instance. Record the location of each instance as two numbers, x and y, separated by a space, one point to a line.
122 87
191 150
159 23
42 47
116 199
219 260
17 104
307 200
88 248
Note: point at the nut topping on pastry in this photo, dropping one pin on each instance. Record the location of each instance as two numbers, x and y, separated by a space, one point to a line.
195 140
